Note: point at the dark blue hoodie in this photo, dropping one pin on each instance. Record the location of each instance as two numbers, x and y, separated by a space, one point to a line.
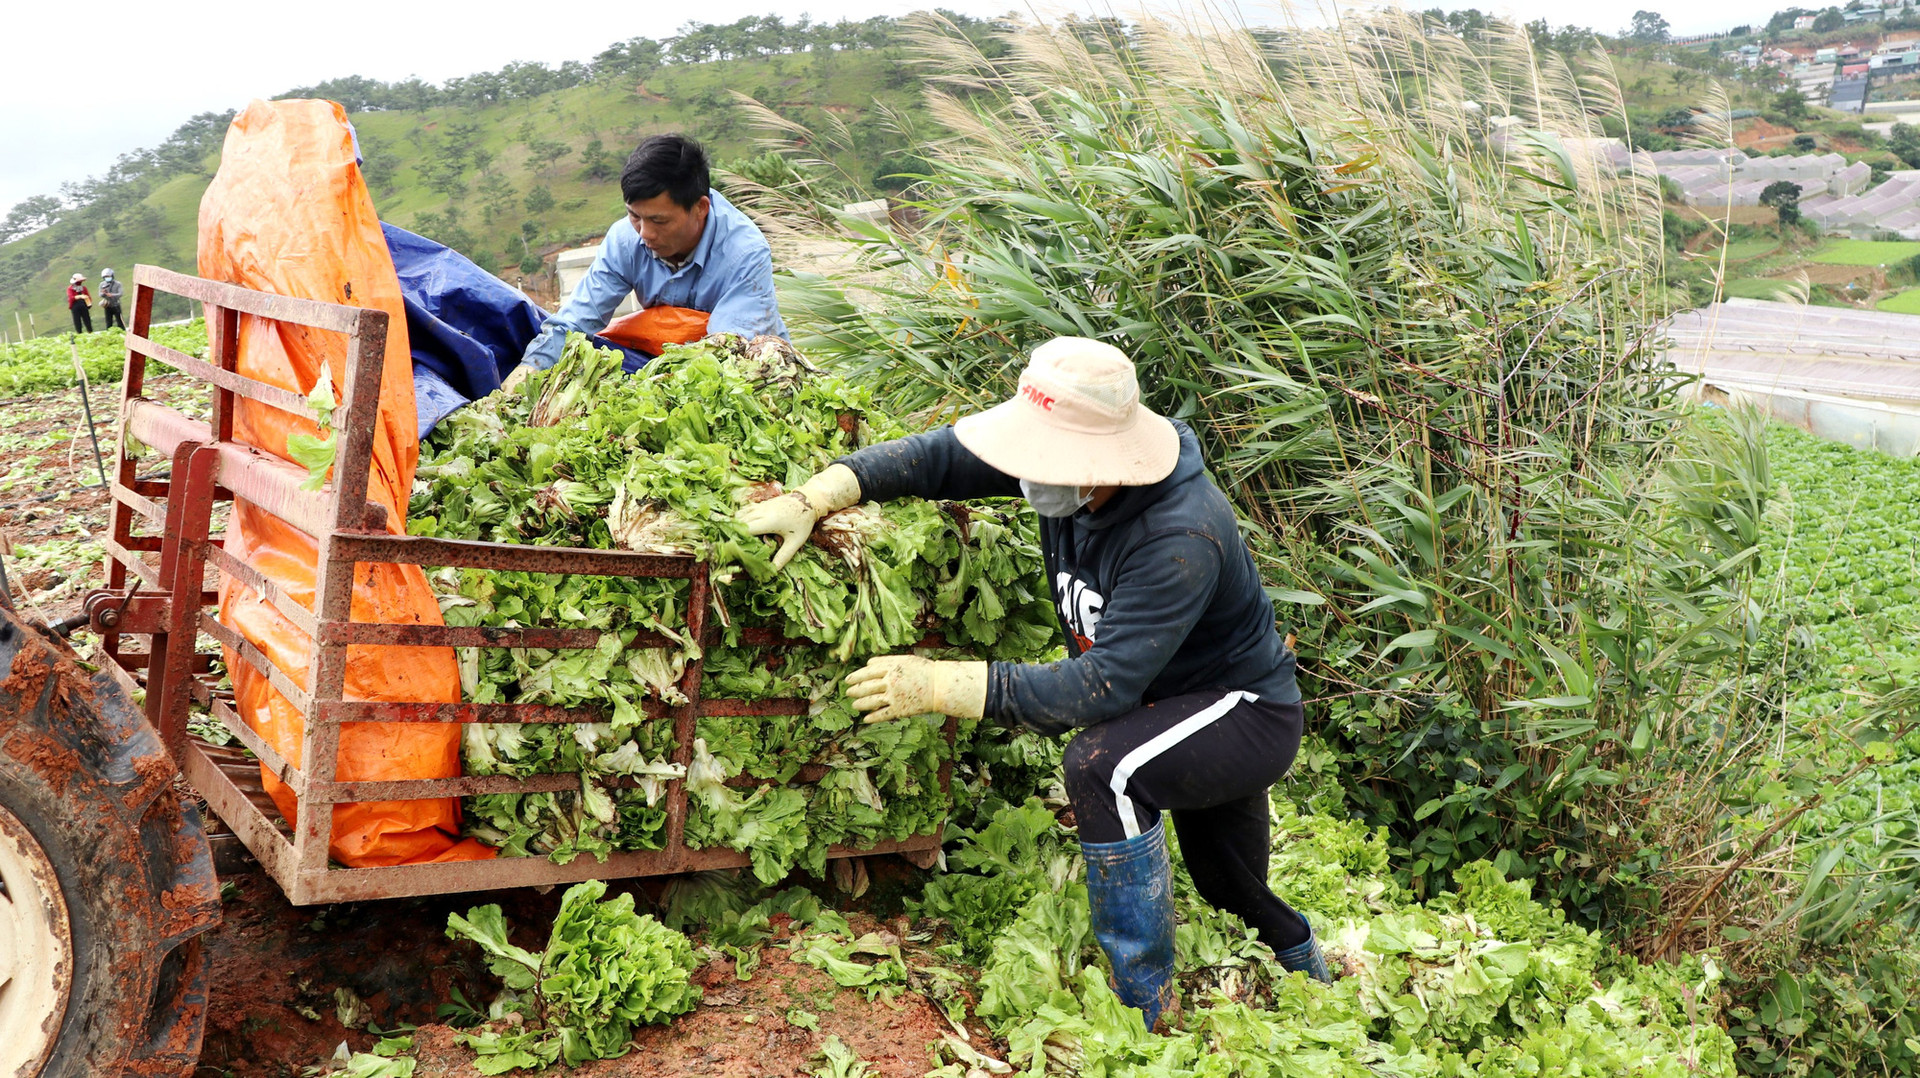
1157 592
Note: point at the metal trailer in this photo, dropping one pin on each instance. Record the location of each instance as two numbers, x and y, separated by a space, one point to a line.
161 543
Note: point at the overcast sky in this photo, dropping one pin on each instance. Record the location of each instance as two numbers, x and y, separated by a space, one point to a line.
82 84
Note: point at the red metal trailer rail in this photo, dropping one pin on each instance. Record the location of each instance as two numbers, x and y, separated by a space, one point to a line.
161 543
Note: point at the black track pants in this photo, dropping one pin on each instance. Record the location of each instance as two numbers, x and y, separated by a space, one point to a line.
1209 759
113 317
82 318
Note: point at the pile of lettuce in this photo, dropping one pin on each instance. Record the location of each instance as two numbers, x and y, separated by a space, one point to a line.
605 970
1478 982
659 462
1482 980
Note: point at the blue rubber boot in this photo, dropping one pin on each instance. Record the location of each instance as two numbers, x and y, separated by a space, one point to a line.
1307 957
1130 887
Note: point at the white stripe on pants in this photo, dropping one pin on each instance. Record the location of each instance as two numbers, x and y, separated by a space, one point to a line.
1166 739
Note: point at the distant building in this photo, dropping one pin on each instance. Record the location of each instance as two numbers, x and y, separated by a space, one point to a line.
1827 56
1729 177
1804 22
1849 94
1852 71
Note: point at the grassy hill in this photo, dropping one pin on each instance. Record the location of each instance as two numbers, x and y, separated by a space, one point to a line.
465 176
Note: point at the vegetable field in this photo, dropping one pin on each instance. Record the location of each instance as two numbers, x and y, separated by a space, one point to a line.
1866 252
1907 302
1846 546
1758 287
42 363
1745 250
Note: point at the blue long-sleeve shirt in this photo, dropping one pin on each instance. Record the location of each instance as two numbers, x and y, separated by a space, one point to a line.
1157 593
729 275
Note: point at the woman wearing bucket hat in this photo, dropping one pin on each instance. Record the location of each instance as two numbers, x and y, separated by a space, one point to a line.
1177 679
80 304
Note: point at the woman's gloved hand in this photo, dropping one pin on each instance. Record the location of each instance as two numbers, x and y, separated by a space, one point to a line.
896 686
791 516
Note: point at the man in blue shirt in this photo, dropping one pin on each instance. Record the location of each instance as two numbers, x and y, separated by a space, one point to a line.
682 245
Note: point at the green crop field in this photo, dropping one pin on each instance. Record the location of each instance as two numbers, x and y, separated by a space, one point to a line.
45 363
1866 252
1907 302
1747 250
1841 544
1756 288
1840 550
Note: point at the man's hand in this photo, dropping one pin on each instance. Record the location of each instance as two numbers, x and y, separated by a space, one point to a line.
517 376
791 516
896 686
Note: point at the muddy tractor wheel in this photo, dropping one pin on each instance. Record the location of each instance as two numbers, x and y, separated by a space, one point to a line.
106 882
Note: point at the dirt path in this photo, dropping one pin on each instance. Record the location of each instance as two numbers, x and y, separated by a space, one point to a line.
292 984
51 499
52 503
775 1023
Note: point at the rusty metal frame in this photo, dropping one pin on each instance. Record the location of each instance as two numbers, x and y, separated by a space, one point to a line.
156 588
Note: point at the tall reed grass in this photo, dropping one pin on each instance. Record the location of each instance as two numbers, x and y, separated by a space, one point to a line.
1408 306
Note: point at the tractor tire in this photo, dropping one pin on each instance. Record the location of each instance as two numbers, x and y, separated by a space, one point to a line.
106 881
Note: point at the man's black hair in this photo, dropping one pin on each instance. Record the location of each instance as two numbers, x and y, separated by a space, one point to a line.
672 163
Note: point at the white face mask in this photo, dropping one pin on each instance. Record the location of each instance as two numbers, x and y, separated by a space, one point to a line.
1052 501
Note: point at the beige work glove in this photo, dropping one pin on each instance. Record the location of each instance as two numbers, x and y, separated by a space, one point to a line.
896 686
791 516
516 376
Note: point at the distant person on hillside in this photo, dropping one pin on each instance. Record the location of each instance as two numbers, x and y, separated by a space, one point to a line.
110 293
80 304
697 264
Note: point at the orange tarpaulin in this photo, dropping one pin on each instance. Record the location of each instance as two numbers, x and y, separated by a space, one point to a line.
651 329
289 214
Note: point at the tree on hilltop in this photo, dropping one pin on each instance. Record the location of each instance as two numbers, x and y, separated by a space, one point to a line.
1649 27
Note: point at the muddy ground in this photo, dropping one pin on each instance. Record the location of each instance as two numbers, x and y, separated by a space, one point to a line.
290 985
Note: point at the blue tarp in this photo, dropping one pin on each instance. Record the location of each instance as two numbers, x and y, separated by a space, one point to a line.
467 328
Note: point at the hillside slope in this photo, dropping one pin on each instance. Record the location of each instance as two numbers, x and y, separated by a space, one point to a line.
510 184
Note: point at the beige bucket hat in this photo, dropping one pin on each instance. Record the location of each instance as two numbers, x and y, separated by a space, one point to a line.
1076 420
